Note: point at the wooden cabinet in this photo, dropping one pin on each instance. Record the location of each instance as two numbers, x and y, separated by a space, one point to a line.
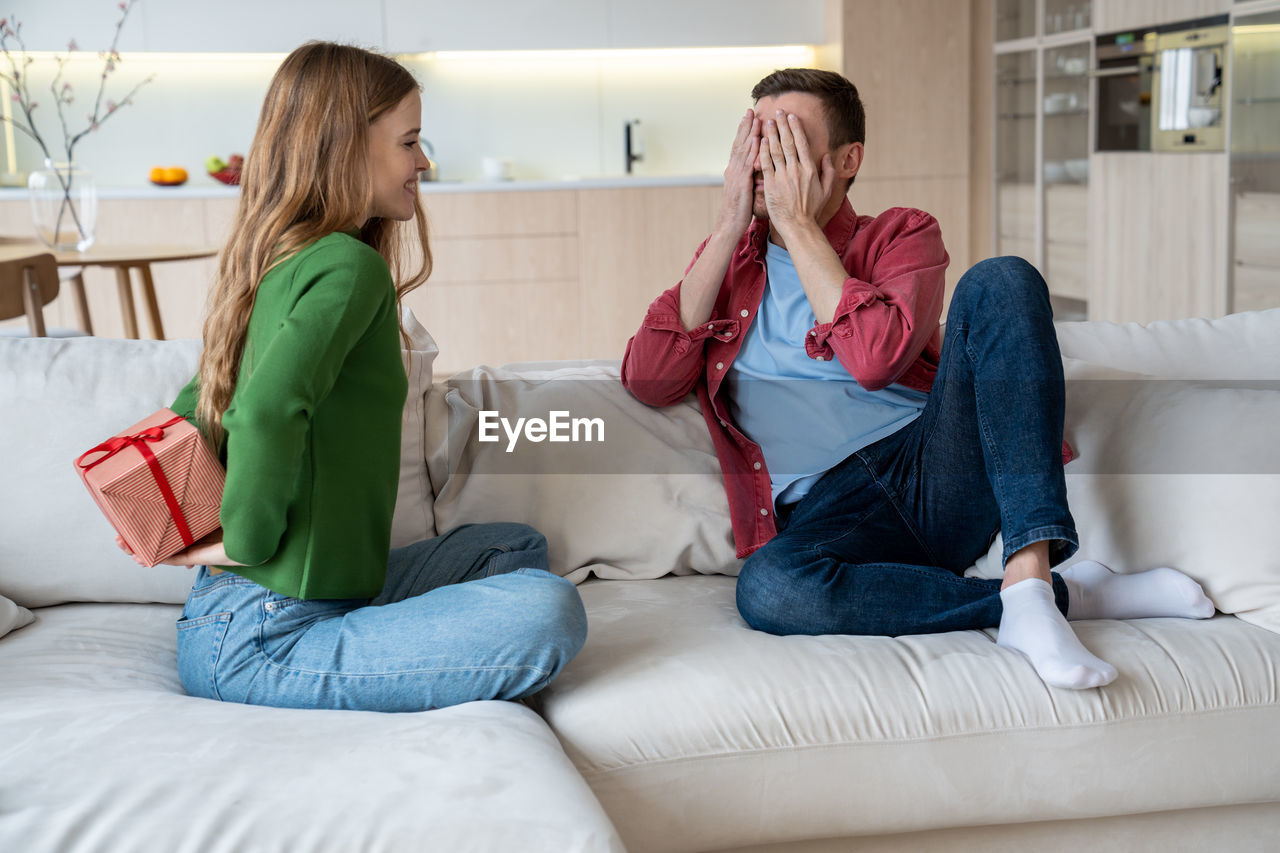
530 276
504 284
634 244
518 275
1159 253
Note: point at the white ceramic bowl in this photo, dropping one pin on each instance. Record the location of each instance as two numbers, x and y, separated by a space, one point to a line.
1057 102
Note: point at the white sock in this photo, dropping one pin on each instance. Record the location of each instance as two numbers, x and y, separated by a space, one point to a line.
1096 592
1033 625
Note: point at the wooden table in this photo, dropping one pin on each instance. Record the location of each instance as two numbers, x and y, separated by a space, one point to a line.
123 258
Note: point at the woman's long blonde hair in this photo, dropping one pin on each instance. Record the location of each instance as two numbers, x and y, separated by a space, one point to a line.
305 177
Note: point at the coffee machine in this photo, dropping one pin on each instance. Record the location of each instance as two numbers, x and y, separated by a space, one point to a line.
1188 110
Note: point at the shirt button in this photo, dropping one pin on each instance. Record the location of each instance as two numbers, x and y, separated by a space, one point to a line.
710 325
813 333
820 358
764 511
756 466
744 312
719 365
723 424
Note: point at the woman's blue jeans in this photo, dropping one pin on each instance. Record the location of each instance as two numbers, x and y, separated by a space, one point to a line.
472 614
880 544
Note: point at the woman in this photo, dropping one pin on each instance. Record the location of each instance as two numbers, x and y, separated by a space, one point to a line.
301 387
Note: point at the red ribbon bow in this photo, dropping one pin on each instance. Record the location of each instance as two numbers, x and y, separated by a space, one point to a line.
114 445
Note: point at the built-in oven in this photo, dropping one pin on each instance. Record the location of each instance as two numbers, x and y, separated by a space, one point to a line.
1125 65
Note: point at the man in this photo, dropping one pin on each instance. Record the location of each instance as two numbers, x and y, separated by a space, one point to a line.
867 465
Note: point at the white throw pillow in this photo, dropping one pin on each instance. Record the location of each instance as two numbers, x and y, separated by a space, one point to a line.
1176 473
646 501
1239 346
13 617
59 397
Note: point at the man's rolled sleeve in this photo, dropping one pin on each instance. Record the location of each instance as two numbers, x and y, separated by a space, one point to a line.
664 360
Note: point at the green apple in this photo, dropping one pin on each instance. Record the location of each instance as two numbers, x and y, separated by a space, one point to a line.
215 164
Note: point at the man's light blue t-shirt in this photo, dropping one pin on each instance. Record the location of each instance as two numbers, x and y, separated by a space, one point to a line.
806 415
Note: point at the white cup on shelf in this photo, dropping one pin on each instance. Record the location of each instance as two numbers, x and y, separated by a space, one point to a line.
495 169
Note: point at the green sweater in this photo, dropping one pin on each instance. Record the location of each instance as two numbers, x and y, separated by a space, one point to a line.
313 430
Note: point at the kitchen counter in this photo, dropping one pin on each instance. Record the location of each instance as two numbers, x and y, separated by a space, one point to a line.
201 188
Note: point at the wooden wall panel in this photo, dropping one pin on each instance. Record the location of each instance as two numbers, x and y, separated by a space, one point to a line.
912 62
981 130
947 199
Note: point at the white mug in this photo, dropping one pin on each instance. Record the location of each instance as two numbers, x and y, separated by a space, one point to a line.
495 169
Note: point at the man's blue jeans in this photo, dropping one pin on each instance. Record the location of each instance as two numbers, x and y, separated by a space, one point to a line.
472 614
880 544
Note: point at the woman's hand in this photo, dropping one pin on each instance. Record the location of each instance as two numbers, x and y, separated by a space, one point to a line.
796 189
207 552
739 179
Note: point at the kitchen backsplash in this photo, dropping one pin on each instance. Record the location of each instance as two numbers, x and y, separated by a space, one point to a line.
551 114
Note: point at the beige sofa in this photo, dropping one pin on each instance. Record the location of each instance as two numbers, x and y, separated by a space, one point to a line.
677 728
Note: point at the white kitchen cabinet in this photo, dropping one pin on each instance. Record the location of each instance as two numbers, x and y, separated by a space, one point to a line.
719 23
172 26
50 24
415 26
246 26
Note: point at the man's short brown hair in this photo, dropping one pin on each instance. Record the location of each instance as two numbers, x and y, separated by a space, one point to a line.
846 120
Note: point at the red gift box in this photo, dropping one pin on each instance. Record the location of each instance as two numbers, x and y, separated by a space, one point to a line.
158 484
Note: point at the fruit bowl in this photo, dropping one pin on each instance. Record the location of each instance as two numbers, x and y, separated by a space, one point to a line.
225 171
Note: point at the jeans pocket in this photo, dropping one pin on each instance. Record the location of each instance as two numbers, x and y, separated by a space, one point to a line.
199 648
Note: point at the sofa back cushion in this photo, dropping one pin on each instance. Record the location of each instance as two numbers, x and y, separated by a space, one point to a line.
641 497
1178 465
59 397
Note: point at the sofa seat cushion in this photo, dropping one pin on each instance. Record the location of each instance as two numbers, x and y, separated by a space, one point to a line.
699 733
100 749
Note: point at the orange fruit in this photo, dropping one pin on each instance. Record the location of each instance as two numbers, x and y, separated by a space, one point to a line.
168 176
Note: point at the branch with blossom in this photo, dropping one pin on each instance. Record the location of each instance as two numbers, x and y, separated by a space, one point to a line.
18 60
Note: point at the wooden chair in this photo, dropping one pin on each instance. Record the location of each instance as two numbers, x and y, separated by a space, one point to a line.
28 282
73 277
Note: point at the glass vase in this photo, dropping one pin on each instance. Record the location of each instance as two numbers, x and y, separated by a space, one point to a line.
64 205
